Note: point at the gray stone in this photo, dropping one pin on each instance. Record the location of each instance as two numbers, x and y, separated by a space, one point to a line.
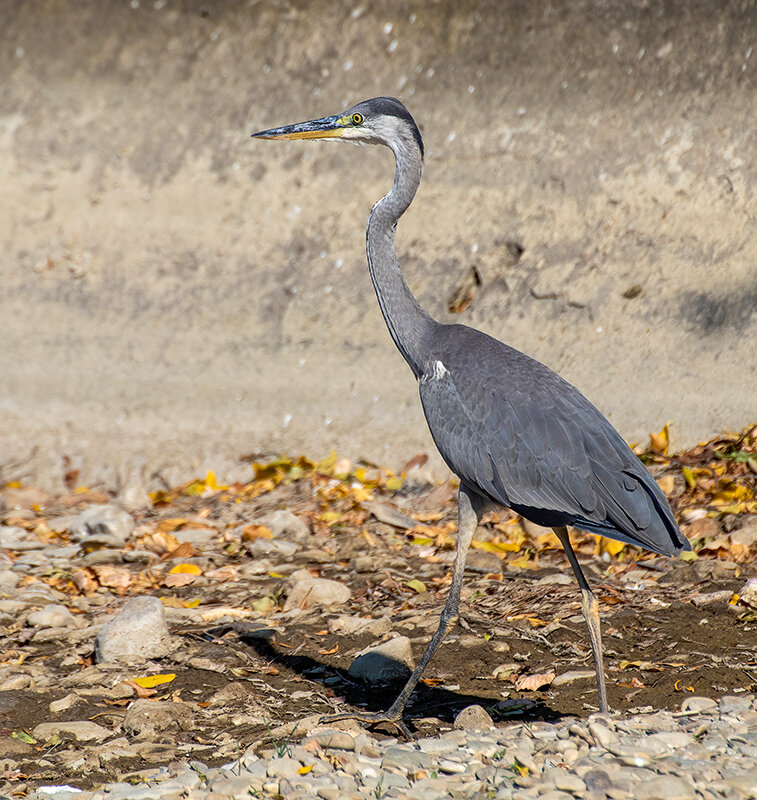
603 736
732 704
665 787
699 705
149 717
572 676
108 520
283 767
405 759
389 661
53 615
83 731
138 631
354 624
566 781
70 700
8 579
13 538
473 718
316 593
286 525
271 547
332 739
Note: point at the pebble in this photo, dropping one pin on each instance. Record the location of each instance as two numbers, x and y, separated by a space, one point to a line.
83 731
138 631
473 718
315 592
659 756
108 521
389 661
53 615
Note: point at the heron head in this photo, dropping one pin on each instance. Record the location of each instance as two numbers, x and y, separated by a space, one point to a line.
382 120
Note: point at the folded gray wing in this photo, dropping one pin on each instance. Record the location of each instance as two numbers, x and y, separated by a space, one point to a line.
513 429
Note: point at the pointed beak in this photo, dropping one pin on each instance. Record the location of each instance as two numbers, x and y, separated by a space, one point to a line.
324 128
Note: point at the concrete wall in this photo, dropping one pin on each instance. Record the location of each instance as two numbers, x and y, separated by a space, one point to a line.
174 295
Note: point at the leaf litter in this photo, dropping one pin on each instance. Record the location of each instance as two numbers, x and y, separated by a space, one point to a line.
239 661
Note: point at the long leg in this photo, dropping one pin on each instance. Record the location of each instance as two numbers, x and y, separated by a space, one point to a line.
469 509
590 609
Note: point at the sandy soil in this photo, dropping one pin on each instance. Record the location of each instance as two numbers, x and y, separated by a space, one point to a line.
176 296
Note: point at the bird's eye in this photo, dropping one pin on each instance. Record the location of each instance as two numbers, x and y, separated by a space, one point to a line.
357 119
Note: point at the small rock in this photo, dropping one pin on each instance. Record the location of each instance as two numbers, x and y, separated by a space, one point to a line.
53 615
286 525
731 704
363 563
332 739
572 676
351 624
148 718
9 579
748 594
473 718
597 780
284 767
603 736
566 781
667 787
316 592
699 705
389 661
107 520
82 731
12 538
233 693
557 578
138 630
64 703
271 547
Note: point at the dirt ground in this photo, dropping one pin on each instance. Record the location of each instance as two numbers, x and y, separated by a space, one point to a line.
244 664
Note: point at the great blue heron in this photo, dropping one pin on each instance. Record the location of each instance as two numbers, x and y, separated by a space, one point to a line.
513 431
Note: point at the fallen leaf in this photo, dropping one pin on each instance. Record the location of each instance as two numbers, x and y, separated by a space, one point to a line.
151 681
416 585
305 769
178 579
113 577
185 569
23 736
140 691
330 652
252 532
659 442
530 683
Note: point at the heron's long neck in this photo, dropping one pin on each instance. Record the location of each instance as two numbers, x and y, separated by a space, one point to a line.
408 323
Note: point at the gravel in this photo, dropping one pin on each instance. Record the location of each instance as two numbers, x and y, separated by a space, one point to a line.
656 756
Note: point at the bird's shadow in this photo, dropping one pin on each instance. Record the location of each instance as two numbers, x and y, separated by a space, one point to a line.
426 701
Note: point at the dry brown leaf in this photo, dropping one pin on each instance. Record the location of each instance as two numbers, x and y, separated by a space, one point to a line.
530 683
160 543
252 532
113 577
172 580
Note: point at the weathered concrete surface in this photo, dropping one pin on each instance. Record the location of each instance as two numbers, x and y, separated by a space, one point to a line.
175 295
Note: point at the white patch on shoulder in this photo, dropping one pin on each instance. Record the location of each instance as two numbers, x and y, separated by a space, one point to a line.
436 371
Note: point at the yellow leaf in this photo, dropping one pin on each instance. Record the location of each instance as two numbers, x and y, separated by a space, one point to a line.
689 477
688 555
612 546
305 770
266 603
393 484
659 442
251 532
81 489
330 516
212 484
151 681
360 494
422 540
185 569
418 586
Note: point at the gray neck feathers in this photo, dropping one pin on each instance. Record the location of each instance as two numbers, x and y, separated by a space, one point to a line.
409 325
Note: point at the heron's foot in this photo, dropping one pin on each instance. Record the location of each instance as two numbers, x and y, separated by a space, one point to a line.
390 717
